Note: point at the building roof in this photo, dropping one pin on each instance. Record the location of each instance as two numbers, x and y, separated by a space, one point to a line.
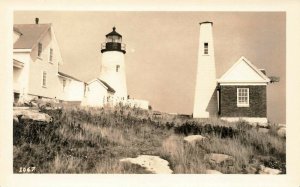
206 22
17 31
31 34
109 88
243 71
18 63
114 33
103 83
68 76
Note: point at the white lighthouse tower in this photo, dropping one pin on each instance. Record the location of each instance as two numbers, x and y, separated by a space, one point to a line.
113 65
205 101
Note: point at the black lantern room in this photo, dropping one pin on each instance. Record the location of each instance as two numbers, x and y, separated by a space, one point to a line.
113 42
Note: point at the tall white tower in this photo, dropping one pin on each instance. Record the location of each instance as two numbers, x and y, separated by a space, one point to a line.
113 65
205 102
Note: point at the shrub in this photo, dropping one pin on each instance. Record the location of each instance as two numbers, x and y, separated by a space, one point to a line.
196 128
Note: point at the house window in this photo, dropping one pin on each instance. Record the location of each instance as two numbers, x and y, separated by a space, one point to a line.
44 79
206 48
50 55
117 68
243 97
64 84
85 89
40 48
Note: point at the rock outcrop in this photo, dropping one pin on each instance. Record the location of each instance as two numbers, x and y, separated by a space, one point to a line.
281 132
215 158
29 113
154 164
192 139
212 172
267 170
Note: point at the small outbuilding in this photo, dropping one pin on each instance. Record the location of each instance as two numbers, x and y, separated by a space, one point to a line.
242 93
98 93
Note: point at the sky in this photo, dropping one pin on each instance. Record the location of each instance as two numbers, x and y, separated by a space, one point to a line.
161 50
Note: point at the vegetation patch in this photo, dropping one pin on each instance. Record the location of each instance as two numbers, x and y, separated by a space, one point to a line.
93 140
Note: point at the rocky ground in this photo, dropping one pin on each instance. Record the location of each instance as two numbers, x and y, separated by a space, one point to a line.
123 140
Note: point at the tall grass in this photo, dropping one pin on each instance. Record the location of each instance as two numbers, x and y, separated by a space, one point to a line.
92 140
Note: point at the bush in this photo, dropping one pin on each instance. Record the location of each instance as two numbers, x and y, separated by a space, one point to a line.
196 128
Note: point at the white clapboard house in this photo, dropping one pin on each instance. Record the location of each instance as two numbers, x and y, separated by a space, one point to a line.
36 72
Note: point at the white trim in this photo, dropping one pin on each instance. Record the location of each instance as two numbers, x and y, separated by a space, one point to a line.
263 76
237 98
68 78
22 50
18 64
242 83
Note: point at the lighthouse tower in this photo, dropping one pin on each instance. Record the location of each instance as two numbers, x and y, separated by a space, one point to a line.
113 65
205 101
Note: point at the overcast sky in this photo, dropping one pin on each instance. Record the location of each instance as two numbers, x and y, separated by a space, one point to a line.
162 48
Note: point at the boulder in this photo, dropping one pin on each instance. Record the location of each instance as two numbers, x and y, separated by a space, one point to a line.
52 108
267 170
154 164
281 132
215 158
32 114
251 170
34 103
212 172
15 119
192 139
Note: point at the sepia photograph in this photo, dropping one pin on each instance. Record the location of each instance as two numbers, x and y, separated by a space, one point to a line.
149 92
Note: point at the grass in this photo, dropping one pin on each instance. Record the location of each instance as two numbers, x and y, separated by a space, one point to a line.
92 140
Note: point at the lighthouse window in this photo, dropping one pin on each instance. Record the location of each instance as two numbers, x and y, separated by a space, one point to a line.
205 48
117 68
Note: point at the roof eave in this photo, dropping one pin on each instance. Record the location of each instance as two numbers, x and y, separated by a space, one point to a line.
22 50
68 76
242 82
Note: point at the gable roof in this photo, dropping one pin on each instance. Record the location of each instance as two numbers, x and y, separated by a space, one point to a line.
243 71
68 76
31 34
109 88
105 84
